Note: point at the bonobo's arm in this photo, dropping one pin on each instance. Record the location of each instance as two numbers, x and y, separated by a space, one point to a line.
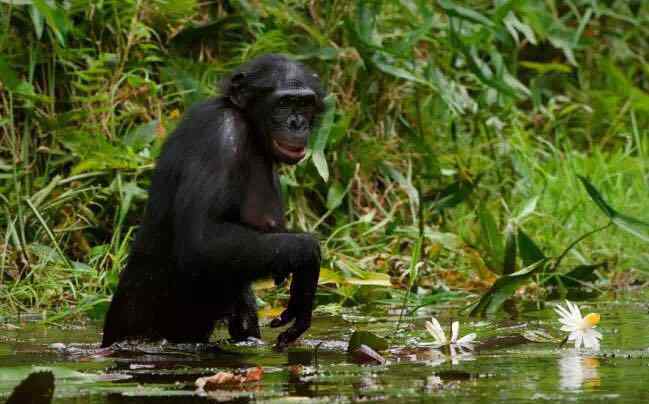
207 233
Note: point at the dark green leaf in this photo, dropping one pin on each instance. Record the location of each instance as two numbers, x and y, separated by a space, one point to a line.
503 289
629 224
453 194
529 252
366 338
509 260
579 276
491 239
597 197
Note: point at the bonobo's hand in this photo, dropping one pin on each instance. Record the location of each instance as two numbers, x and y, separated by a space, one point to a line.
305 267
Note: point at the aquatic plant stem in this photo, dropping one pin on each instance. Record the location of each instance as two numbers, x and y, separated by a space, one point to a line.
574 243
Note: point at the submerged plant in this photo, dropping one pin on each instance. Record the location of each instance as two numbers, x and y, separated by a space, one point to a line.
462 344
581 328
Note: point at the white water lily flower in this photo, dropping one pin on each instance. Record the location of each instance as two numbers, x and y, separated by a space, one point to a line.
437 333
581 329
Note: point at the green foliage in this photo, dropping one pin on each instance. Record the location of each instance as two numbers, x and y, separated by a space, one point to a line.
450 127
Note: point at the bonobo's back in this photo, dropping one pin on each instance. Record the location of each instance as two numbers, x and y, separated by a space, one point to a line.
199 135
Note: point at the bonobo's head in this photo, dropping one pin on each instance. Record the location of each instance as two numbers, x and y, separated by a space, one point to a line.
282 101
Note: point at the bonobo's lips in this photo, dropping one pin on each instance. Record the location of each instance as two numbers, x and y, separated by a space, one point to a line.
291 152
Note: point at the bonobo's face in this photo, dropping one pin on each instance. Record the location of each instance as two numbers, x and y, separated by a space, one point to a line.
290 120
282 100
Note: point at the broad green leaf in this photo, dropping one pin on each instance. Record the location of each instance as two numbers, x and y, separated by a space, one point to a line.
509 260
578 276
529 252
503 289
367 338
56 18
37 20
491 239
335 196
319 141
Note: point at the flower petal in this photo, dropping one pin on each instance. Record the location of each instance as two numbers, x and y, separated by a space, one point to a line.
467 339
455 330
436 331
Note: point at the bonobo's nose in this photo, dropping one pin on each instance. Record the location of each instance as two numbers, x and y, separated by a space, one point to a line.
297 123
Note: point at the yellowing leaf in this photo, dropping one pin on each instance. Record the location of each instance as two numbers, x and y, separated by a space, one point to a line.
371 279
329 276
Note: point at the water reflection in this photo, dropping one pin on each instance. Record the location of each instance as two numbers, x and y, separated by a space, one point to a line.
577 371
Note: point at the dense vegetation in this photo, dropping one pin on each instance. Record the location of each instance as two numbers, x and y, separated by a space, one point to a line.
454 137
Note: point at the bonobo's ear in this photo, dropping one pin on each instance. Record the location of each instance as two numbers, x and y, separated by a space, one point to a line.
236 90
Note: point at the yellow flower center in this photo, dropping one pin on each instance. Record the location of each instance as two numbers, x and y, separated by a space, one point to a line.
591 320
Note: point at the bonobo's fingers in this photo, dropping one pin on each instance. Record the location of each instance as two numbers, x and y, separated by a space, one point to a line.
303 289
291 334
286 317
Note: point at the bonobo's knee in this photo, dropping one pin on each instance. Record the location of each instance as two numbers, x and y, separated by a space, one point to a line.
309 249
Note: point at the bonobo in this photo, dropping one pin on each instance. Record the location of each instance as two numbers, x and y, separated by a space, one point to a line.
215 218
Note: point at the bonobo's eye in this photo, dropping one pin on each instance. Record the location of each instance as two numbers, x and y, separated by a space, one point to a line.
284 101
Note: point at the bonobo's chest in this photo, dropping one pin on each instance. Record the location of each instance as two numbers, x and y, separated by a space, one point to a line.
261 205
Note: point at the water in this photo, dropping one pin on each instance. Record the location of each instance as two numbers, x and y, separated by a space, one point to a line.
512 373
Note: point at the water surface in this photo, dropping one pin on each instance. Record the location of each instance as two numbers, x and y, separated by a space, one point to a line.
511 373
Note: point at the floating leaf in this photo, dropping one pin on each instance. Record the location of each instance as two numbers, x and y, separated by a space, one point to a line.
37 388
364 354
366 338
229 379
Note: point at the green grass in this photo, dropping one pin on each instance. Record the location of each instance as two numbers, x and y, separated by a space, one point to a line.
525 95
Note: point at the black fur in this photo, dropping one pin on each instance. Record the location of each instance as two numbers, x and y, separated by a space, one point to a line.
215 220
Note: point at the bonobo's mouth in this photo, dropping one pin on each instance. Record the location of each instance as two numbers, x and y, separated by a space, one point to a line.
288 151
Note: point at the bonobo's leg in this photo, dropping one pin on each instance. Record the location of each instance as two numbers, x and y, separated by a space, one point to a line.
254 255
306 257
243 321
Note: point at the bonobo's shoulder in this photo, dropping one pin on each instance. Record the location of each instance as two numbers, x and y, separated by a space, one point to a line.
216 111
212 123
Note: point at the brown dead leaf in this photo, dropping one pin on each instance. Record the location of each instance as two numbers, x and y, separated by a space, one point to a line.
221 379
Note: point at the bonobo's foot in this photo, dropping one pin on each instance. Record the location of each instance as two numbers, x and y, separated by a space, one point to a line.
243 323
241 329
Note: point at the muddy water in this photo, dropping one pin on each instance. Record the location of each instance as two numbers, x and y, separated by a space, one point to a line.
507 372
